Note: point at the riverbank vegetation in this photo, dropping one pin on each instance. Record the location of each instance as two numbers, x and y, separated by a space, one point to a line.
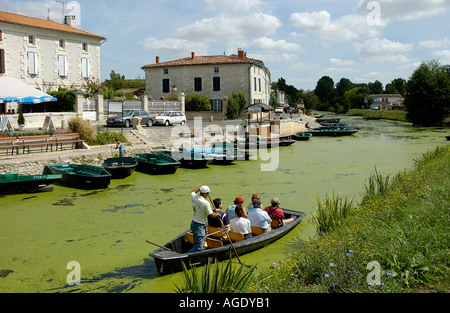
393 115
396 240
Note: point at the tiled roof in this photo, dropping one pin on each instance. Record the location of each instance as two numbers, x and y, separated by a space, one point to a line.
204 60
44 24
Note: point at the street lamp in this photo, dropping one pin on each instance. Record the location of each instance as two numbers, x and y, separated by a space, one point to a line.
173 88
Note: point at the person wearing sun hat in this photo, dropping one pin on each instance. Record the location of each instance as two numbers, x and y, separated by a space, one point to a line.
231 213
202 210
276 213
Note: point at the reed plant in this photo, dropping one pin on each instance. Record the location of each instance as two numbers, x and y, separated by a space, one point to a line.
377 185
331 212
215 278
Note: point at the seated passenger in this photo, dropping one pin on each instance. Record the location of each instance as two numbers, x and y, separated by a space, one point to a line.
258 217
215 222
276 213
231 209
240 224
255 196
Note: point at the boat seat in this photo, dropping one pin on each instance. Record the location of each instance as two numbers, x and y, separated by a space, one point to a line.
190 237
213 243
235 236
274 224
257 230
215 232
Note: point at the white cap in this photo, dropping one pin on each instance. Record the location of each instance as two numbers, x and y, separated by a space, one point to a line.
205 189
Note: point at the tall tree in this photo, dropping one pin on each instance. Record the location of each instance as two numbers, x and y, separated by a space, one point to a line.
325 89
427 99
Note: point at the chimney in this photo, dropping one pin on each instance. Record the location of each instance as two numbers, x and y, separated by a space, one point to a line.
70 20
192 55
157 60
241 54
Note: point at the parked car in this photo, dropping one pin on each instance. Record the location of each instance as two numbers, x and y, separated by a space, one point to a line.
170 118
129 116
279 110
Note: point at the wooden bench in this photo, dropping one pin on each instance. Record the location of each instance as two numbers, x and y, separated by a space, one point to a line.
26 144
73 139
6 143
30 142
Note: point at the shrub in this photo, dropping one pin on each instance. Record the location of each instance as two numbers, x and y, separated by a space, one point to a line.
84 128
195 102
107 137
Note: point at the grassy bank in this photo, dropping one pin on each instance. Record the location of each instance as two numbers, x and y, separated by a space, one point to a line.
378 114
396 240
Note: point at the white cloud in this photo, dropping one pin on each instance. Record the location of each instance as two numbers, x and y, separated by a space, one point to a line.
40 9
348 27
268 44
442 56
176 47
406 9
235 7
230 27
340 62
383 50
435 44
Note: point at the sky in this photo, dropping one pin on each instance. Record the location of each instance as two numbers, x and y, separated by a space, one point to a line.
300 40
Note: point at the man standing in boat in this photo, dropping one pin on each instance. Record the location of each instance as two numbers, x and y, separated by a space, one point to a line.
202 210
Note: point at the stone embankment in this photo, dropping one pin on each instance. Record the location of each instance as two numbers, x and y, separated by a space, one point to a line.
140 141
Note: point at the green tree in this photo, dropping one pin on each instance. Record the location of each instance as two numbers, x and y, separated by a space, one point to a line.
116 81
310 99
398 85
196 102
342 86
376 87
236 105
325 89
427 99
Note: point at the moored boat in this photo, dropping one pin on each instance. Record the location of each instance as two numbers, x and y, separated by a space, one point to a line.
21 184
120 167
189 159
84 176
302 136
170 261
156 163
332 132
284 142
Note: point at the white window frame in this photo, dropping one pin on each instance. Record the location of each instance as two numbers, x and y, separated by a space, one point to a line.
85 67
33 63
62 65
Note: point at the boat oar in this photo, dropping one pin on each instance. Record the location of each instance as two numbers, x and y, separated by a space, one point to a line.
225 230
165 248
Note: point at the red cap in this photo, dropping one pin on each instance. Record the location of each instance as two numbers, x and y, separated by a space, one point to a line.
238 199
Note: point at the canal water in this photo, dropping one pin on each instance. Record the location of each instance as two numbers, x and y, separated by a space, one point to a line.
105 231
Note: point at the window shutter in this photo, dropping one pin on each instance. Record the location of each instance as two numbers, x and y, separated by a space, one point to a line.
166 86
33 68
85 67
216 83
62 65
2 61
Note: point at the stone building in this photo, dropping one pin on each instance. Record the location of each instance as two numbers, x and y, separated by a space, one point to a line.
46 54
215 76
